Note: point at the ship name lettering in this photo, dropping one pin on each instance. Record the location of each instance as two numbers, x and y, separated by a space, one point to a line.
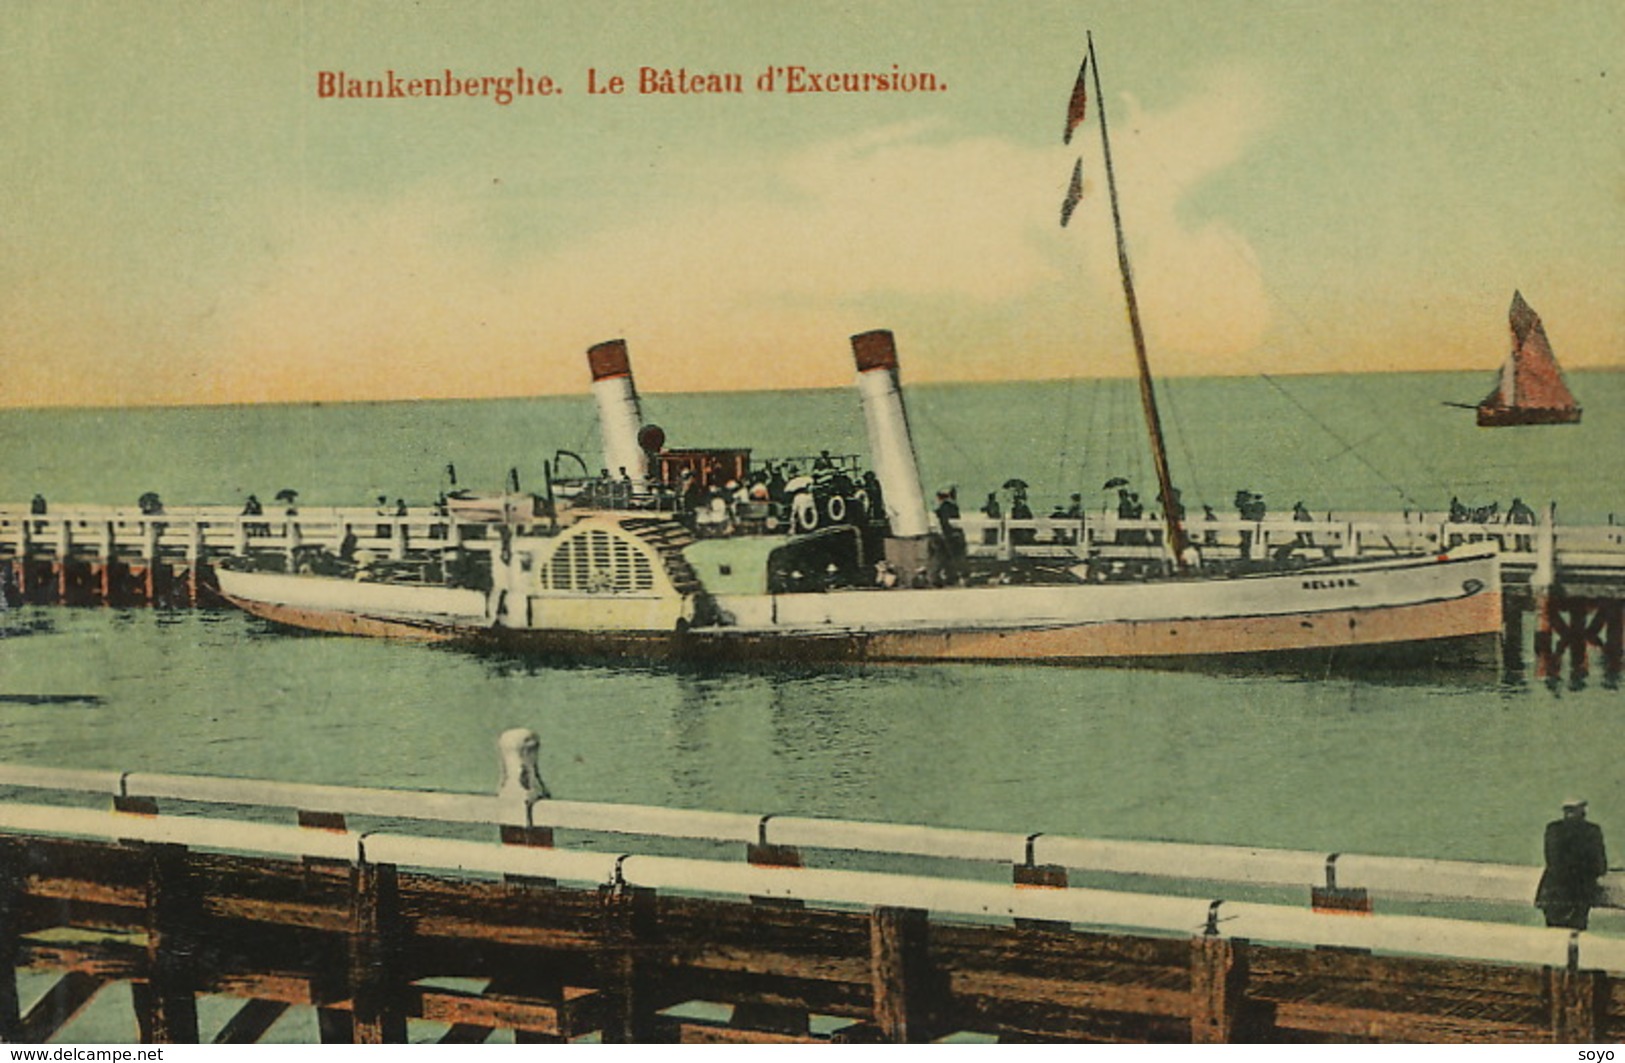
1329 584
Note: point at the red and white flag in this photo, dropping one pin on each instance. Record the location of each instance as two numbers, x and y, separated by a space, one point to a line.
1078 106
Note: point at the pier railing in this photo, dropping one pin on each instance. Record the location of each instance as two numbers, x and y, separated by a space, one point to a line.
788 840
206 532
635 943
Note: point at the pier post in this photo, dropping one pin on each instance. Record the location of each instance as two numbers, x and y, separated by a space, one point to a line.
166 1005
899 974
1613 638
1511 635
25 557
375 946
194 560
1578 1000
64 548
107 585
628 916
1547 663
1578 636
11 883
1219 971
149 553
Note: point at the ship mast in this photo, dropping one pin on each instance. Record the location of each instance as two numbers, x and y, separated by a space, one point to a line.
1148 396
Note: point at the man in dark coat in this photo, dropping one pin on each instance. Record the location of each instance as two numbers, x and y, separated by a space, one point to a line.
1575 858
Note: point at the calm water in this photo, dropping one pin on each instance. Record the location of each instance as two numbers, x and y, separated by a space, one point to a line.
1464 770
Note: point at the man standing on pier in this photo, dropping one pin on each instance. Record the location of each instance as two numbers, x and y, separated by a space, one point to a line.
1575 859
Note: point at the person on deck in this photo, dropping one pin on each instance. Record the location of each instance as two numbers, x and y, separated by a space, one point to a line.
877 500
1300 512
252 508
991 510
1520 513
1020 510
1575 859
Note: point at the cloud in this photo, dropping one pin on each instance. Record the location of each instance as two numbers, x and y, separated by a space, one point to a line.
1202 292
758 285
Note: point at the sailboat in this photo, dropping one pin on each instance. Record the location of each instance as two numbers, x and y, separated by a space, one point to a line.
1531 388
602 580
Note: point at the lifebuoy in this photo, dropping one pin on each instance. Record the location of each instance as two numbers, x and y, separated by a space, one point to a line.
836 508
804 512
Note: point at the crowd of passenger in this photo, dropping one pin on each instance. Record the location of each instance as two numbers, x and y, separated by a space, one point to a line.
778 495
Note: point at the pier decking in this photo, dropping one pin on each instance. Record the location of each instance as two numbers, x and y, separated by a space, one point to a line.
400 914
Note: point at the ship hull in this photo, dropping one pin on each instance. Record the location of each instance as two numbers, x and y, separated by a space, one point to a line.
1508 416
415 612
1424 613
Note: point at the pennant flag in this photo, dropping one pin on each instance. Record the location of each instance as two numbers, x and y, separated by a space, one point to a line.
1079 104
1074 193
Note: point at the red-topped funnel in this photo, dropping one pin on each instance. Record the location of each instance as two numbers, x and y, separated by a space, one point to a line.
891 448
609 359
619 416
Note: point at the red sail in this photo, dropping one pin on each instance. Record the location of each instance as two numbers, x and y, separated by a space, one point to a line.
1531 389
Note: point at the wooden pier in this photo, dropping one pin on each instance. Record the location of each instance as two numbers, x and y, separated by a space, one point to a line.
395 915
1572 578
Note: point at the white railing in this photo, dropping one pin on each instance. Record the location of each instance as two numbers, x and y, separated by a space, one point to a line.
1380 876
944 897
212 531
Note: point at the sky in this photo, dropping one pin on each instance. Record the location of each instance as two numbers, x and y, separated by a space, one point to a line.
1306 187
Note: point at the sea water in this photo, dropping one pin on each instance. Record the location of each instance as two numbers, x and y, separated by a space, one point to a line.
1457 767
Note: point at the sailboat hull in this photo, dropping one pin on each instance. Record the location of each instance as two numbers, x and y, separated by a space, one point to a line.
1508 416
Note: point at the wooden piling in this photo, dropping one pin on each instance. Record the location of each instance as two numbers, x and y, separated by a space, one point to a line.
166 1004
11 884
899 974
1218 988
1548 663
629 1013
1579 999
375 975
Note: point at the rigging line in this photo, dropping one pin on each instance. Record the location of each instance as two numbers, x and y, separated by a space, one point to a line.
1066 431
1237 244
1348 448
1096 443
924 417
1417 454
1182 438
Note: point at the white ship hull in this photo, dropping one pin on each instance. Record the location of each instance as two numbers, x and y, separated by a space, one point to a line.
1426 610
